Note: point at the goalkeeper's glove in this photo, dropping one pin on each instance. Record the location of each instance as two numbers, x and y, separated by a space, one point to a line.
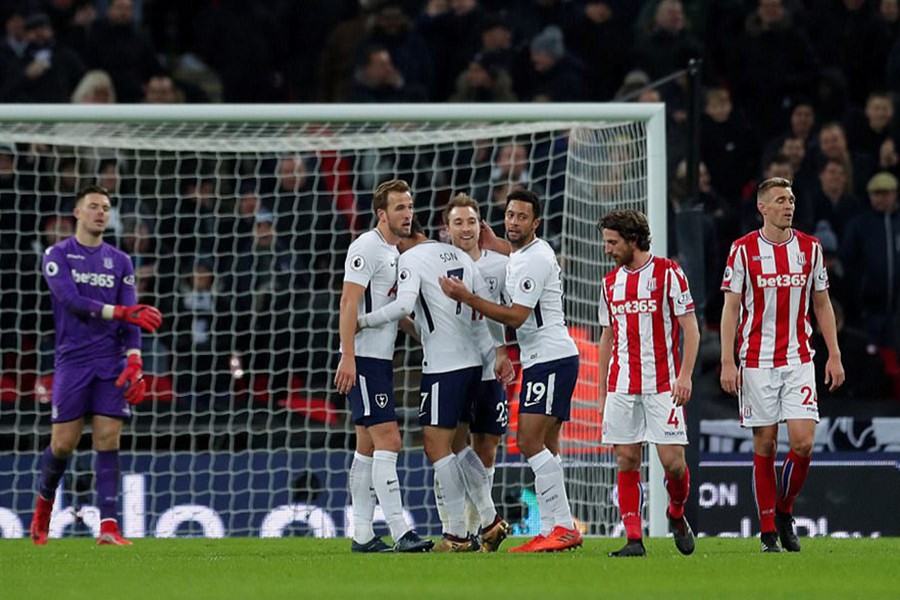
133 375
142 315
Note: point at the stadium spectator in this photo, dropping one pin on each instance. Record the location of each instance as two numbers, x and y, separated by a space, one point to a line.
758 266
771 63
599 38
91 351
14 43
116 46
548 354
857 166
669 45
557 76
96 87
377 80
830 201
486 80
867 131
728 145
367 359
201 337
871 252
637 402
391 29
452 29
46 71
510 169
161 89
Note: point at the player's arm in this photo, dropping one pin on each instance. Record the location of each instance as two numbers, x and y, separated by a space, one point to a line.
834 369
133 373
408 326
513 315
681 393
398 309
345 377
606 340
488 240
57 275
730 377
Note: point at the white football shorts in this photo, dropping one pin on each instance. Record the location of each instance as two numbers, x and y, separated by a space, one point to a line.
636 418
775 394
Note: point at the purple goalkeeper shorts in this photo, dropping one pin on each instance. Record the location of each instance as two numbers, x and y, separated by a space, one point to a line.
88 390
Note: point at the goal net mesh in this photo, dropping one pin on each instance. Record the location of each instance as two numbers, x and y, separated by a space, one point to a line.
238 233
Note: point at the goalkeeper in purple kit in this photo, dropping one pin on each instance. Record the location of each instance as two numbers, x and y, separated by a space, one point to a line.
98 368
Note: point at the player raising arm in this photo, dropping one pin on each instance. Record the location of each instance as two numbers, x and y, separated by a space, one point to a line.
771 277
97 364
549 361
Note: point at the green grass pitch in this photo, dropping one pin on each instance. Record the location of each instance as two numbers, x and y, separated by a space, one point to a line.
299 568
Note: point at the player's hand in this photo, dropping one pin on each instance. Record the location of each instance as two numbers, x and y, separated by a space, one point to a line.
454 288
142 315
834 373
488 240
730 378
681 391
601 403
133 375
345 378
504 371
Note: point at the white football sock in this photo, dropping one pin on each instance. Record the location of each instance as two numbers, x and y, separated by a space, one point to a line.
362 497
453 489
550 488
387 488
439 503
477 484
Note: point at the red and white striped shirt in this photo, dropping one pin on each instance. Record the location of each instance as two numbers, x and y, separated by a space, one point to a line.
641 306
775 282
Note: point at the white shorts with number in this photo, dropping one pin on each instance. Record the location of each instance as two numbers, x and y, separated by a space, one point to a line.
636 418
772 395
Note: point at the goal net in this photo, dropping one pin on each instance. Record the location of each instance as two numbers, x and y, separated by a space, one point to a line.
237 220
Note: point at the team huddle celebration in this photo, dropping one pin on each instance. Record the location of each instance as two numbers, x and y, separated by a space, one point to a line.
465 300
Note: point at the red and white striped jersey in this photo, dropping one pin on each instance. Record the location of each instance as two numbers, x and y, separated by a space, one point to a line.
642 307
775 282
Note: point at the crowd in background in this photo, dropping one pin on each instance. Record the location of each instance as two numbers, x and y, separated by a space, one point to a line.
802 89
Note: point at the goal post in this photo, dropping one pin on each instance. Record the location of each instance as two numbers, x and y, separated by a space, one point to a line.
243 433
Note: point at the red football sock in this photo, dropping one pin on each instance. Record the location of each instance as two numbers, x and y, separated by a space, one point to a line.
764 486
631 500
793 474
678 493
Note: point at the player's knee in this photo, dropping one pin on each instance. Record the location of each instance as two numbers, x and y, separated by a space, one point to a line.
529 445
628 462
487 456
63 448
803 447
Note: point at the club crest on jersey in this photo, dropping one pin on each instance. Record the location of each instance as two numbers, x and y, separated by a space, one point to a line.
801 259
492 283
527 285
107 263
357 263
381 400
651 284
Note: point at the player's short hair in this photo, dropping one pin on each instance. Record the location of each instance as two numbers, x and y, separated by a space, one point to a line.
380 198
464 200
92 189
768 184
526 196
632 225
415 228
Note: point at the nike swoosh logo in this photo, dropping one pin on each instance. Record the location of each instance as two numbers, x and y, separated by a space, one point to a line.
391 481
547 490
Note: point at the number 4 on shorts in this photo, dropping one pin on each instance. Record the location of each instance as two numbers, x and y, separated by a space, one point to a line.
673 418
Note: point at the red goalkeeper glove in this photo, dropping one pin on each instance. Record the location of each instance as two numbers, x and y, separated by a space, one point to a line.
133 375
142 315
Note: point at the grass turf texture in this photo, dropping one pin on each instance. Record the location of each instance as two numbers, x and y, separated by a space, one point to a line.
312 568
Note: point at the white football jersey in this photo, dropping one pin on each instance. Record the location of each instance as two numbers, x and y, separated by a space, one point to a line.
533 280
372 263
448 328
492 266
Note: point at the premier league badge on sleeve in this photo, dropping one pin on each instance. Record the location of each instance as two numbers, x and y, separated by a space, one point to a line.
357 263
527 285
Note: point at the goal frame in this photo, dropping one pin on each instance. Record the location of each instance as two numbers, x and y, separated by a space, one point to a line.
653 114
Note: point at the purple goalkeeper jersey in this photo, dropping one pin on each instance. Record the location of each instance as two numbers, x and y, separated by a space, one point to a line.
81 280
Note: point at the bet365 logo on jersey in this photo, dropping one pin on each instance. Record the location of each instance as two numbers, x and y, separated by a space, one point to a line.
634 307
95 279
781 281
